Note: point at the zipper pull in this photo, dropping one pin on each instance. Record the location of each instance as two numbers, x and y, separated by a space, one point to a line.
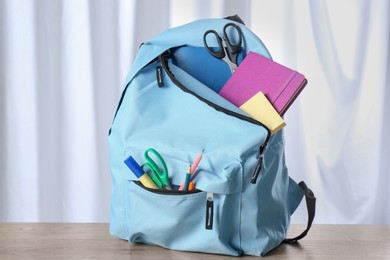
209 210
159 75
256 173
259 165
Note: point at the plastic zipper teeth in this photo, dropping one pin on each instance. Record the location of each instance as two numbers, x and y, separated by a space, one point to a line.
168 192
259 164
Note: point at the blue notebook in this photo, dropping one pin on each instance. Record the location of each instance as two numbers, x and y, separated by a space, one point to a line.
197 62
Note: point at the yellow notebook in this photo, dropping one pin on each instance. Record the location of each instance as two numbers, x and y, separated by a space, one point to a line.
262 110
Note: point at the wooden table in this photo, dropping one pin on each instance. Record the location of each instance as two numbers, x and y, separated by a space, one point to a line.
93 241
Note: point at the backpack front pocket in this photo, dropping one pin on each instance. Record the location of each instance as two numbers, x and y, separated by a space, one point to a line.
198 220
180 221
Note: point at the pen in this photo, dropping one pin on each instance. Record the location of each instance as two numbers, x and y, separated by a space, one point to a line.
142 176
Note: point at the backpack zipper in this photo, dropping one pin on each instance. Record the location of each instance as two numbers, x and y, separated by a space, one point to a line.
168 192
209 200
259 164
209 210
163 61
159 76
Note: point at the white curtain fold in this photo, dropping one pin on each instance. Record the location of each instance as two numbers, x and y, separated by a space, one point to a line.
62 66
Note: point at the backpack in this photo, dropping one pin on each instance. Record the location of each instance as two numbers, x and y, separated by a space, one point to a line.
243 196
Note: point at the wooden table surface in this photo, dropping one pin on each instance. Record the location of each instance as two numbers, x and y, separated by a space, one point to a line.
93 241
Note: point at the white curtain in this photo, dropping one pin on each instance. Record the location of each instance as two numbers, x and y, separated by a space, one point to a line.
62 65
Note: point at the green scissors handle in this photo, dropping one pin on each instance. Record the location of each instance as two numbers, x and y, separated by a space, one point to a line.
159 177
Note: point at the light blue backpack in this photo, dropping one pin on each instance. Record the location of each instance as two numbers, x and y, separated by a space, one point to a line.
243 196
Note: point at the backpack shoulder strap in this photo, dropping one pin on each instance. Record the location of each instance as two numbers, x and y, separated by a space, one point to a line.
311 210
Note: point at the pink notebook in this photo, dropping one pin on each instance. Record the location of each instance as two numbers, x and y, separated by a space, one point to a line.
279 84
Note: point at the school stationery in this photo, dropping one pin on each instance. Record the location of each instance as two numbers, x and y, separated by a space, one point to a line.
187 180
196 162
281 85
233 46
261 109
160 177
139 173
239 206
191 186
197 62
193 167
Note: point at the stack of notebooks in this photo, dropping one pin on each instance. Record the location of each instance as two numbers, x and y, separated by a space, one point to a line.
263 89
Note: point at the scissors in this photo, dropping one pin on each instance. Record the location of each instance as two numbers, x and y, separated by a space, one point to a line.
232 49
159 177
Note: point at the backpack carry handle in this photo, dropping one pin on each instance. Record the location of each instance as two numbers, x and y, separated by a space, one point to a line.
235 18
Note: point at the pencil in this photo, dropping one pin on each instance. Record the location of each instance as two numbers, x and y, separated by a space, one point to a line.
188 177
196 162
193 167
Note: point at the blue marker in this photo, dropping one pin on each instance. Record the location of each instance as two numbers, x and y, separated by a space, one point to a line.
142 176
